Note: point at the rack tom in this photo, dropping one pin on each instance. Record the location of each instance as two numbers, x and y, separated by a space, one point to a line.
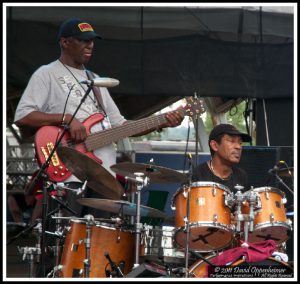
210 218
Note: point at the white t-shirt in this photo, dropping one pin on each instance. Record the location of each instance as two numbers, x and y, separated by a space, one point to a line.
47 91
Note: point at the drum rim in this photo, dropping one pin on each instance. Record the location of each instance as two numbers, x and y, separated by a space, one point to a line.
197 184
78 221
267 189
109 226
262 225
209 223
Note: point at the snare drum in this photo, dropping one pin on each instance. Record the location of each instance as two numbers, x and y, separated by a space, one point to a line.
210 217
270 222
105 238
157 244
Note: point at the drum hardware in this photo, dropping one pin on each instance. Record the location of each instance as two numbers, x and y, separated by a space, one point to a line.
78 191
141 182
33 254
87 261
58 228
254 203
116 271
91 172
239 198
187 231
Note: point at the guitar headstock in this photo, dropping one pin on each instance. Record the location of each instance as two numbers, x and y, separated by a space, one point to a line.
193 107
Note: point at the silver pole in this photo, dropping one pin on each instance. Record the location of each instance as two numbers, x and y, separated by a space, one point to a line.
266 123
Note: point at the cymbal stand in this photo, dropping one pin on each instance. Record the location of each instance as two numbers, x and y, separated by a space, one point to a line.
87 261
57 251
187 235
187 218
141 182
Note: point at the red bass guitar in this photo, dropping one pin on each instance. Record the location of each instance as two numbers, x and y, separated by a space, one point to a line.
46 136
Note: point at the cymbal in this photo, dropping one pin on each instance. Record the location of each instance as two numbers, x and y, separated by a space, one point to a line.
85 168
120 206
155 173
287 172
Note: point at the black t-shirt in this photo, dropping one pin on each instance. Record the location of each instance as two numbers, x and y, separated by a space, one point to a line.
203 173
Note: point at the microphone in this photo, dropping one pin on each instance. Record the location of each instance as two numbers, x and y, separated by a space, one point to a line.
102 82
276 167
190 158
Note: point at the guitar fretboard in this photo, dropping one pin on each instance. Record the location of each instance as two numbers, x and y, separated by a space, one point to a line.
105 137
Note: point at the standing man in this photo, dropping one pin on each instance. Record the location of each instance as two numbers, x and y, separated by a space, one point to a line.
55 90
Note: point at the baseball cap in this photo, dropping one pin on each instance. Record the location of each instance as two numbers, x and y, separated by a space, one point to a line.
77 28
228 129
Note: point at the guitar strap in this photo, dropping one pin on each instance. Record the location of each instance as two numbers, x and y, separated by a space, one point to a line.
96 91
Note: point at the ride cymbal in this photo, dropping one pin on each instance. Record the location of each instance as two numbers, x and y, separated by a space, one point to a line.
155 173
120 206
85 168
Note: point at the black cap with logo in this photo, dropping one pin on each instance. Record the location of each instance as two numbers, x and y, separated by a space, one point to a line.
77 28
228 129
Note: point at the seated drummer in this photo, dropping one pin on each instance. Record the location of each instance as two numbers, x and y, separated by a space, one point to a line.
225 143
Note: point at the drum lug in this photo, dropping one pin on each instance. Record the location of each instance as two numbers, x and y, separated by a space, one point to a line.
272 217
284 200
215 218
231 227
214 191
267 195
229 200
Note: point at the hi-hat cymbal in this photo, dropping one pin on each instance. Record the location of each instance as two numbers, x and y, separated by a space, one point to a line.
85 168
120 206
287 172
155 173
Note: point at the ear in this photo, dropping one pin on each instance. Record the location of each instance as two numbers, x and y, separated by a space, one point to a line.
64 42
214 145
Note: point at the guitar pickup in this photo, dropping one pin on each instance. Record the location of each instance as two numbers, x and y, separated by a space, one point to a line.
54 159
44 153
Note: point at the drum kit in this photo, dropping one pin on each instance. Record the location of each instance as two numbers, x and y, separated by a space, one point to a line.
209 218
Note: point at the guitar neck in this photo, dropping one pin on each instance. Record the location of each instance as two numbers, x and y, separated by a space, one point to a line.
105 137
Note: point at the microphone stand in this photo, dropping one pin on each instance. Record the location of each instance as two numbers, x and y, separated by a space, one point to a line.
42 173
187 220
283 183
